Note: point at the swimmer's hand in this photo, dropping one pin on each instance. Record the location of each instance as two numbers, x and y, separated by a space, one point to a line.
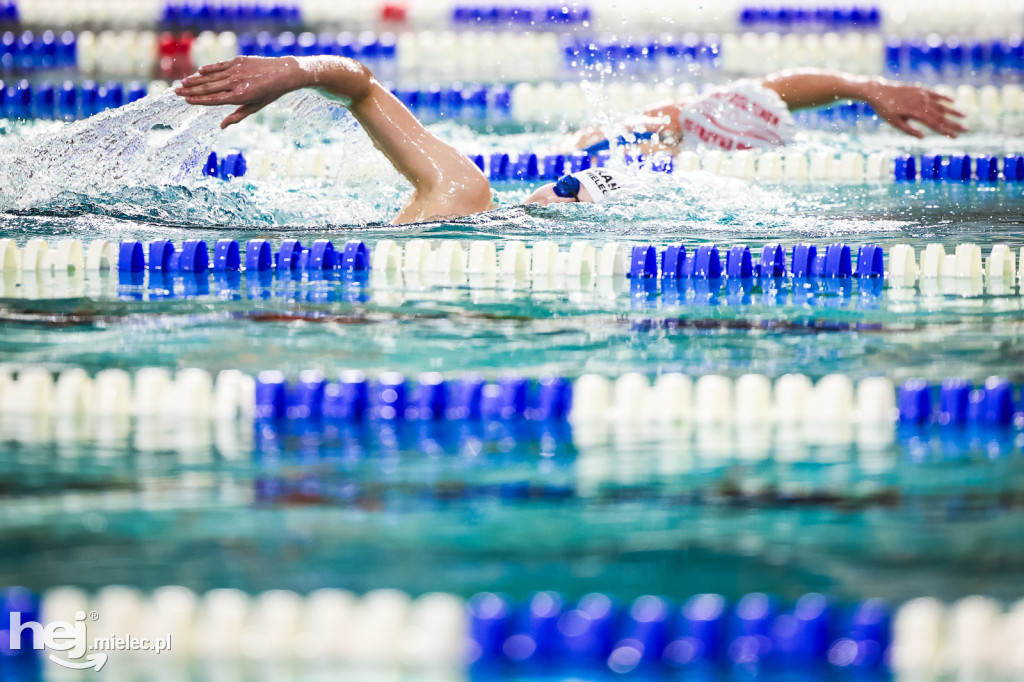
251 82
900 103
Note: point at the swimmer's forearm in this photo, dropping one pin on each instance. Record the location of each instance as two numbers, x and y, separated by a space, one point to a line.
806 88
255 82
899 104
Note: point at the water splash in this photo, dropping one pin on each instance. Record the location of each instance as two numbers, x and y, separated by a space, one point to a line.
155 141
144 161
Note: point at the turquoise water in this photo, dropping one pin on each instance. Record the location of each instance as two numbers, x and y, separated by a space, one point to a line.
328 325
420 510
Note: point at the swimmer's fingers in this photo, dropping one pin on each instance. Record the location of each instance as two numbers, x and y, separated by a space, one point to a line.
217 68
241 113
214 99
949 111
950 128
930 119
903 124
208 88
198 79
940 122
941 127
947 128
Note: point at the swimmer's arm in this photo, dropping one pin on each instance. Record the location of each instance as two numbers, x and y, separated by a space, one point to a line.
897 103
445 182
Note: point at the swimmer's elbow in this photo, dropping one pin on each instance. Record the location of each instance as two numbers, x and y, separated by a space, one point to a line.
363 81
468 195
476 194
348 80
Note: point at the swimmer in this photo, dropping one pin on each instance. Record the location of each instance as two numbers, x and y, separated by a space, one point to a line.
749 114
446 183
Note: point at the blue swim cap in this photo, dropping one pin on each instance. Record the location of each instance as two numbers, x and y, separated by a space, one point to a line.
567 186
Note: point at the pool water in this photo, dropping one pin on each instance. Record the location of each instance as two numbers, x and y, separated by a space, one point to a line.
512 508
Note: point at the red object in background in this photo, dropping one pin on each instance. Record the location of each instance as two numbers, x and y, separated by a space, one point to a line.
393 12
175 61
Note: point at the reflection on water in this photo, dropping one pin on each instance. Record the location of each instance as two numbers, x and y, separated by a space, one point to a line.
390 321
510 506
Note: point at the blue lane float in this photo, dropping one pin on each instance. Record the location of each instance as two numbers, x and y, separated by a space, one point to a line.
271 395
289 255
986 169
685 50
355 257
654 633
366 47
525 168
954 403
917 55
194 256
552 167
931 167
772 262
21 100
738 262
643 262
959 168
322 255
835 261
870 261
130 257
700 633
19 600
802 17
226 256
160 252
505 399
519 17
353 397
229 15
1013 168
232 165
672 260
306 397
704 264
347 399
259 255
958 403
27 51
9 12
905 168
803 260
